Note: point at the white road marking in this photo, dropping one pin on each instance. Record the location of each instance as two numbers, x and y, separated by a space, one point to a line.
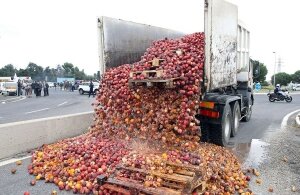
13 160
285 119
22 98
37 110
61 104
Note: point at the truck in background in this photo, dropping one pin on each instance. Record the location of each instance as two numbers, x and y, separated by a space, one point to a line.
227 96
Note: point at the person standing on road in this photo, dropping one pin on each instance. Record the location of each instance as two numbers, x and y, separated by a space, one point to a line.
54 86
91 89
25 85
33 87
40 88
73 86
46 89
19 87
29 85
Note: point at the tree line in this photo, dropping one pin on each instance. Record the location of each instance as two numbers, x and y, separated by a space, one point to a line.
37 72
281 78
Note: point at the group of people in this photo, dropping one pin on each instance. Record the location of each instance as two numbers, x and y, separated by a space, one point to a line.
37 87
71 86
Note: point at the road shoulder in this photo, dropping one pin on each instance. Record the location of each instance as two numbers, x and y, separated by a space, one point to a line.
281 167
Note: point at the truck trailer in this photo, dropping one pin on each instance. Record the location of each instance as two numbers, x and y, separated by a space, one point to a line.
227 95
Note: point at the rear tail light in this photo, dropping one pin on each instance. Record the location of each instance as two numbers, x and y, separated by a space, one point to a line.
209 105
209 113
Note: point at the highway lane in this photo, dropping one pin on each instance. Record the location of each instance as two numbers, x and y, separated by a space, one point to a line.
266 118
56 104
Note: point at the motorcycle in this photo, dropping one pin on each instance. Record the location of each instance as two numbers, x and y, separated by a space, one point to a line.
283 96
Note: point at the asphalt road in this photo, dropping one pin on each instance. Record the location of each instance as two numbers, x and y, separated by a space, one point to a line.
266 118
56 104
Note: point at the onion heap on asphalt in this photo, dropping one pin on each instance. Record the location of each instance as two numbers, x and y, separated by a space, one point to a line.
125 116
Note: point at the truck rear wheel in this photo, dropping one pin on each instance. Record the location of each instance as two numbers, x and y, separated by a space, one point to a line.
236 117
221 134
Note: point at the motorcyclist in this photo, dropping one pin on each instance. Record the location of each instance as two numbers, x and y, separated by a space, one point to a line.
278 91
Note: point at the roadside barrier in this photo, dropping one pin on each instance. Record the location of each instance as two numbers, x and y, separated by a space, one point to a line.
24 136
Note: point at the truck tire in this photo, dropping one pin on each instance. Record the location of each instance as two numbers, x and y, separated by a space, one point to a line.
220 135
247 117
204 129
236 117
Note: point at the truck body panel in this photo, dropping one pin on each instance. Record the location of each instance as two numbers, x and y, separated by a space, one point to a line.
244 73
121 42
221 21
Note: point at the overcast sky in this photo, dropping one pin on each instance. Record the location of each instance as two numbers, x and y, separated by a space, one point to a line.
57 31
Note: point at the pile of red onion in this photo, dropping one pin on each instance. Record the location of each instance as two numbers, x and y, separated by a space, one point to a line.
154 112
127 117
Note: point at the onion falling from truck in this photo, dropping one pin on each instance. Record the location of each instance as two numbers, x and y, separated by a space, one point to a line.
145 131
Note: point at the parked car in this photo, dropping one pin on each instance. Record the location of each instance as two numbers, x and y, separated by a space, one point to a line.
51 84
296 88
84 87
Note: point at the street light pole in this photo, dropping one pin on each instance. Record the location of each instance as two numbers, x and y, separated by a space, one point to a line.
274 68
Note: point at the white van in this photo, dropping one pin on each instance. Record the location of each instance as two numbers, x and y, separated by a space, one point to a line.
10 88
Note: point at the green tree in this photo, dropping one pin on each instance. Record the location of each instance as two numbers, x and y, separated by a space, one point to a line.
8 71
36 72
263 71
282 78
79 75
59 71
68 69
296 77
23 72
50 73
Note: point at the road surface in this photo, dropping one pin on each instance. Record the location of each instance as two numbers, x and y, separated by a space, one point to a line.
56 104
267 118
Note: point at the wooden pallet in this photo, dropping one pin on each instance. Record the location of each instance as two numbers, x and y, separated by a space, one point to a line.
166 83
155 62
184 180
147 73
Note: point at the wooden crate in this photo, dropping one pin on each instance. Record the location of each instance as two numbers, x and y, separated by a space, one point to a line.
184 180
147 73
156 62
164 83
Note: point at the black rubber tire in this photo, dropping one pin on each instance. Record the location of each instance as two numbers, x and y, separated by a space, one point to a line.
81 92
218 134
289 99
96 91
204 129
271 99
236 112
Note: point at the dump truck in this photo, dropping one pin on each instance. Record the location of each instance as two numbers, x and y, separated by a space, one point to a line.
227 95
